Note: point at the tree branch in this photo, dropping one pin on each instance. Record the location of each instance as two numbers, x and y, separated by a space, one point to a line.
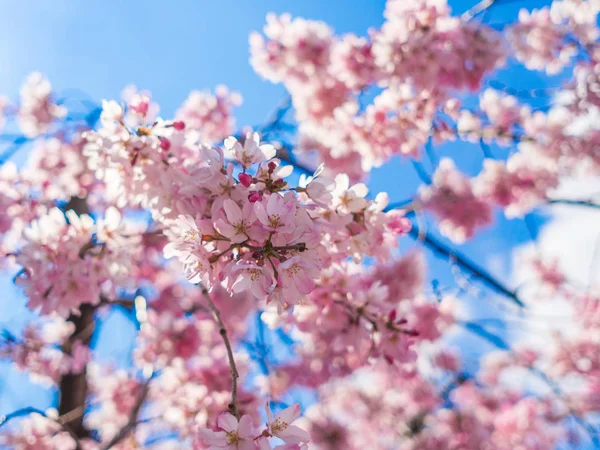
73 388
30 410
478 8
441 249
480 331
4 419
233 406
563 201
132 422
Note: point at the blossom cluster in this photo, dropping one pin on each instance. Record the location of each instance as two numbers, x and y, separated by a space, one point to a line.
47 353
378 409
410 57
68 260
250 231
234 434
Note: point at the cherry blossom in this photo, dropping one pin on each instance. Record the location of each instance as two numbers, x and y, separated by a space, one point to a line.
37 110
234 434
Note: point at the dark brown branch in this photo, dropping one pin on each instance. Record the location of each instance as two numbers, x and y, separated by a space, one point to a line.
233 406
73 388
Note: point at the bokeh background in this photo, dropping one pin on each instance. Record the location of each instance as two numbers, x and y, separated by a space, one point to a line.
92 50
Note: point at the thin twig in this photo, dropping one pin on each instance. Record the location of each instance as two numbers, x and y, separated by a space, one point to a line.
233 406
488 336
585 203
478 8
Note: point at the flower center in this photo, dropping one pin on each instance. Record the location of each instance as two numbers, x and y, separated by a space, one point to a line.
241 227
293 269
278 425
232 437
254 274
274 220
190 235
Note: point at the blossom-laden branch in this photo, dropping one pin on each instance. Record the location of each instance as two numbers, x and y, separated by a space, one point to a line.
233 405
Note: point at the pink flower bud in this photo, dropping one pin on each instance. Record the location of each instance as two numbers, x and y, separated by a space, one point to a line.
245 179
141 107
255 197
165 144
179 125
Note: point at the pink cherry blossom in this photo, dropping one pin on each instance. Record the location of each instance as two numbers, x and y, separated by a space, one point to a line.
250 152
281 426
234 434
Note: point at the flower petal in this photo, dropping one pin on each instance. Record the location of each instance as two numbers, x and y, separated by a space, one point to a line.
245 427
294 435
227 422
233 211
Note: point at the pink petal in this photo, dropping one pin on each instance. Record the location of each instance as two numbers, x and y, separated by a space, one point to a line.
289 414
242 283
294 435
245 427
224 228
261 214
227 422
210 437
269 412
274 204
233 211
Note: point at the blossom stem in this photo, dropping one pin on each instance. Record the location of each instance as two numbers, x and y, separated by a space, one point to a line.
233 406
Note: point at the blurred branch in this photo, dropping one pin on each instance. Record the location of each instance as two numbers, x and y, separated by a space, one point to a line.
20 413
477 9
132 422
73 388
584 203
480 331
276 117
30 410
483 6
500 343
431 242
14 148
441 249
591 431
421 172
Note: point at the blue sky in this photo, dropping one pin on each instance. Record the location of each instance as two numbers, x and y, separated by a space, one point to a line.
171 48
